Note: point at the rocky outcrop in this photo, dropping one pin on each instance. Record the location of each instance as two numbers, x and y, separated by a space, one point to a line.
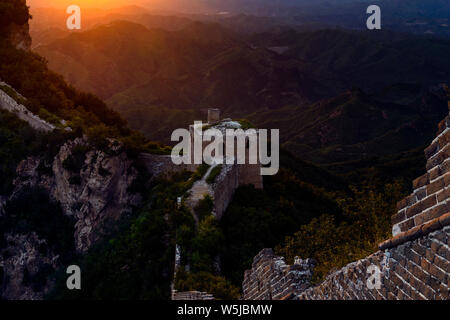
24 267
94 194
91 185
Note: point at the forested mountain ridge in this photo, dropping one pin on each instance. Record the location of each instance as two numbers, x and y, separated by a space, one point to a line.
82 195
335 95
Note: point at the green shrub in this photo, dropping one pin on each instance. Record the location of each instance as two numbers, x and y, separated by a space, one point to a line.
32 210
213 174
204 207
334 244
13 11
218 286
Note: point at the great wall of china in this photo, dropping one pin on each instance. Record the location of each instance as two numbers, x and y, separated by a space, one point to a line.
413 264
9 104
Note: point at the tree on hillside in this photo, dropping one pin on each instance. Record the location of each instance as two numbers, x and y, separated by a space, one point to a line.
13 11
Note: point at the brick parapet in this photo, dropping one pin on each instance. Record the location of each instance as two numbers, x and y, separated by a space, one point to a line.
430 198
413 270
413 264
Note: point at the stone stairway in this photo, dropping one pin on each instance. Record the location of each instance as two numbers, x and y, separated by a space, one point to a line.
198 191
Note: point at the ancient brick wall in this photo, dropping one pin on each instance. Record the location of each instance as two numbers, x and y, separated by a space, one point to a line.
272 279
430 198
413 264
224 187
9 104
416 270
162 165
191 295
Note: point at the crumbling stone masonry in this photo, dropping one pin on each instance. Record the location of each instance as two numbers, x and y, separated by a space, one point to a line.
413 264
431 193
272 279
191 295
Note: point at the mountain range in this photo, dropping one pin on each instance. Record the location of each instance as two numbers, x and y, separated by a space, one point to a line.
303 83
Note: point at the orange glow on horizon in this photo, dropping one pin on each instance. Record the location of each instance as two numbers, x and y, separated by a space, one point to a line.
100 4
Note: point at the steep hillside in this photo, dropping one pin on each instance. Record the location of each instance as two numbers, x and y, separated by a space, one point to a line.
189 68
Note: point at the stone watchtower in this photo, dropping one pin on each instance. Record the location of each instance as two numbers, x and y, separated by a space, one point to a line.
213 115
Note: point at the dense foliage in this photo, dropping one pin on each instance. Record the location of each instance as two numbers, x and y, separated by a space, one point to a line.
136 260
309 215
18 140
32 211
13 11
200 248
333 244
214 174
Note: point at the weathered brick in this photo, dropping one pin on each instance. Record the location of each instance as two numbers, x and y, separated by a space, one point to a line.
419 219
426 291
406 225
437 273
398 217
443 195
444 292
445 167
420 181
430 226
443 139
428 202
401 204
413 210
425 264
434 283
436 186
431 150
444 253
410 200
442 264
442 125
437 159
435 173
435 212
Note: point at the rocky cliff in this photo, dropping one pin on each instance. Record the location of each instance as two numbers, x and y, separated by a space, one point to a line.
93 193
91 186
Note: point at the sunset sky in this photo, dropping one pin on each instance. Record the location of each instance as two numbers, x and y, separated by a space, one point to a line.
84 3
181 5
